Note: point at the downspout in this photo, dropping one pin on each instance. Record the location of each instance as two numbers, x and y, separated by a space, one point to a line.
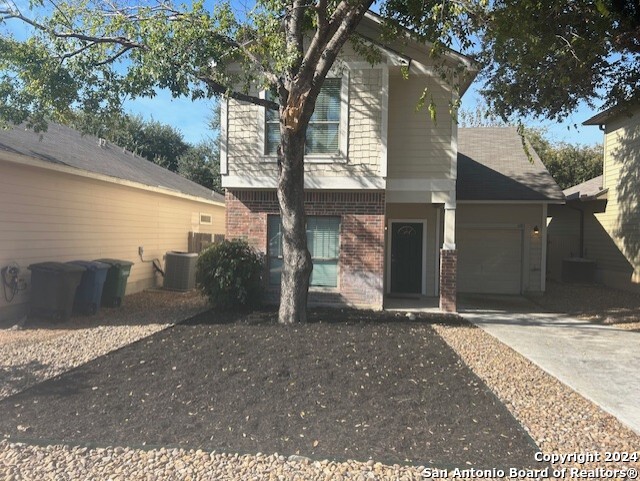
581 228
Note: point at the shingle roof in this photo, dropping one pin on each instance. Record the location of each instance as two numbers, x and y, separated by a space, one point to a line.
493 165
65 146
587 190
603 117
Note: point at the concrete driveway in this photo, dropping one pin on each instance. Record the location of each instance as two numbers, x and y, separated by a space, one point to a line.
600 362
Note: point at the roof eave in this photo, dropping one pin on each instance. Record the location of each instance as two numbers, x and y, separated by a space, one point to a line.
469 63
603 117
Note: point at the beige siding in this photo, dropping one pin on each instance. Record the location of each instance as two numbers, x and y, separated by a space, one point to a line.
54 216
245 134
621 219
525 217
244 141
563 235
418 146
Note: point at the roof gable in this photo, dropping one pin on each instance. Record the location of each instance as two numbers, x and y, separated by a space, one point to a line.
411 50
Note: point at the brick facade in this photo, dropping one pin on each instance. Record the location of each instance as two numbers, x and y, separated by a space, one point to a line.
361 261
448 274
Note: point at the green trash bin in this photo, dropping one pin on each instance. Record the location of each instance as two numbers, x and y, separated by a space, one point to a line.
116 282
53 288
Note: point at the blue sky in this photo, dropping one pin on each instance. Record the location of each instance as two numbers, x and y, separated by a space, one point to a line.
191 118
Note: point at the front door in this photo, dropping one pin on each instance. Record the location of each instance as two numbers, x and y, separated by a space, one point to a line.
406 257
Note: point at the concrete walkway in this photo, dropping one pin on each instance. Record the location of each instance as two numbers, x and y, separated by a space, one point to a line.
600 362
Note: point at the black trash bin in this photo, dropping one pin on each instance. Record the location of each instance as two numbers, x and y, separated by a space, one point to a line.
116 282
53 288
89 292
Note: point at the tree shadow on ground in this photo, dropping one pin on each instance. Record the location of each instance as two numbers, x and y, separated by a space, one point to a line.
344 386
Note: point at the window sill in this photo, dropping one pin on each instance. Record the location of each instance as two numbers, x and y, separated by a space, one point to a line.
326 290
310 159
318 290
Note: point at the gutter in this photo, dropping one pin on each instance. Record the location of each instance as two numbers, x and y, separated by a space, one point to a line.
581 227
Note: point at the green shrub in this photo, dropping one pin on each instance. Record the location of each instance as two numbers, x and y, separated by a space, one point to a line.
230 274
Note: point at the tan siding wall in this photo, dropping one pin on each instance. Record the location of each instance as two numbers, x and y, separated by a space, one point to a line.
52 216
563 238
245 149
526 215
418 147
621 220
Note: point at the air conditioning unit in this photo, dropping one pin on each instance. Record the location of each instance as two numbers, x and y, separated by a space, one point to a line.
180 271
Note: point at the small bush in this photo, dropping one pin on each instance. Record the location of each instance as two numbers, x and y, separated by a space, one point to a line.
230 274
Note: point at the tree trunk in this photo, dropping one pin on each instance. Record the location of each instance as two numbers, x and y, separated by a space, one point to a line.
297 266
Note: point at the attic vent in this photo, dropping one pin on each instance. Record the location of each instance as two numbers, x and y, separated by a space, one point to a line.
102 142
206 219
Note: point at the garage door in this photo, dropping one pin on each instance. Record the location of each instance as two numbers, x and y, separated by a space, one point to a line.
489 261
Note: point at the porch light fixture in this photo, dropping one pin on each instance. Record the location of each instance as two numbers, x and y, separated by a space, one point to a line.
536 231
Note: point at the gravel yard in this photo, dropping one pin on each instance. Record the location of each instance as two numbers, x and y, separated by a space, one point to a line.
41 349
365 385
559 420
596 303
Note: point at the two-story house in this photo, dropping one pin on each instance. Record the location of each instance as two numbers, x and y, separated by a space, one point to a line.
601 221
384 217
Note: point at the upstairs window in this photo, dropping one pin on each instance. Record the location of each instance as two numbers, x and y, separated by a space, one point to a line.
323 133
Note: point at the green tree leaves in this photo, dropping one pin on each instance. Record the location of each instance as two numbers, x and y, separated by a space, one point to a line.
569 164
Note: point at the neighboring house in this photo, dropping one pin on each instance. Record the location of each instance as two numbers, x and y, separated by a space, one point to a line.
601 220
384 214
64 196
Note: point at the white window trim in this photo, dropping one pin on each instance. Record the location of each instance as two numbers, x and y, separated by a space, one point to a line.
384 121
224 136
343 141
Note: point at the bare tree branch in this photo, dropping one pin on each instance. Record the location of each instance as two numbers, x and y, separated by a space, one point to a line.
569 47
225 90
55 5
76 52
325 30
113 57
321 14
348 23
125 42
294 33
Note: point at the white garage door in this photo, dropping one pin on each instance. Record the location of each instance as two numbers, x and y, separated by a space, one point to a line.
489 261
